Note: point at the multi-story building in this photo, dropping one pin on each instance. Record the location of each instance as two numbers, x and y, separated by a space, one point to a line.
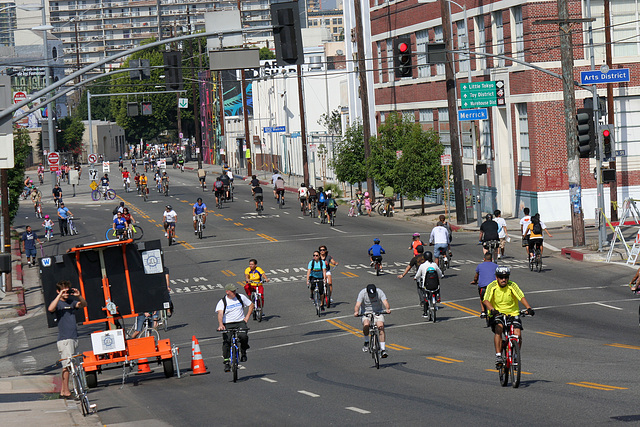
330 19
523 142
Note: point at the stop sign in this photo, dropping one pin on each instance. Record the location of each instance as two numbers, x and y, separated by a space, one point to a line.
53 158
19 97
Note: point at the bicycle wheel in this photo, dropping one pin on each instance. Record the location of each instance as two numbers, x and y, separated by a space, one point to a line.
432 309
539 262
503 371
95 195
110 234
515 365
531 263
164 319
92 379
137 232
316 300
199 229
169 237
375 349
84 403
234 362
145 196
333 219
380 209
111 194
259 307
377 266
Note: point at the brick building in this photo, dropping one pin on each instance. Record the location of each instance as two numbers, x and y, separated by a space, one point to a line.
523 142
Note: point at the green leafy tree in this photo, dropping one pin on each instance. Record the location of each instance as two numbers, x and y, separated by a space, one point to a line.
100 106
265 53
70 137
15 176
348 161
332 122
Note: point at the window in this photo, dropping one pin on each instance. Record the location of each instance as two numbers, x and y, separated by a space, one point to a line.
409 115
439 38
523 132
481 43
390 60
485 140
335 21
518 48
443 129
462 44
499 40
382 117
624 27
426 118
422 40
379 61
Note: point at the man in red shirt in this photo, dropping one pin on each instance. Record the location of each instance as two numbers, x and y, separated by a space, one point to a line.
126 180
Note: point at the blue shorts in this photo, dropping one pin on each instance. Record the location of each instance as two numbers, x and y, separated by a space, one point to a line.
438 248
30 252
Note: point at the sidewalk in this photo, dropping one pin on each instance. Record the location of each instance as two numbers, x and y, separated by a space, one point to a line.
32 400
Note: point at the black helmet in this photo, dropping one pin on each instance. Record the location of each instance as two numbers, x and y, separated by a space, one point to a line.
372 291
168 207
488 217
428 256
503 271
199 199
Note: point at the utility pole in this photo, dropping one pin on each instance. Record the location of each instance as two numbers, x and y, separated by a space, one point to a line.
303 128
613 186
364 93
244 108
196 105
573 160
452 102
221 108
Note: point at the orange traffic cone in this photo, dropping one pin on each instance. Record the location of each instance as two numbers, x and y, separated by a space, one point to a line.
197 363
143 366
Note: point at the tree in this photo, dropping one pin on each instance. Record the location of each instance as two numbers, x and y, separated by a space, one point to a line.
265 53
348 161
332 122
71 131
15 176
100 109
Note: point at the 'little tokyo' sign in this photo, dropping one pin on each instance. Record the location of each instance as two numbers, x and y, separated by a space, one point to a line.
611 76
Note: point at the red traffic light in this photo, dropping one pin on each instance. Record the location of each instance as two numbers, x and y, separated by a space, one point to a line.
606 133
403 47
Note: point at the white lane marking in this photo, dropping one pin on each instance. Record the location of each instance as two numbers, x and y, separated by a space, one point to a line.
308 393
287 213
339 231
607 306
358 410
269 380
550 247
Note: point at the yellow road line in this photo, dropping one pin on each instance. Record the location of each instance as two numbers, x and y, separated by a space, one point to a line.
185 244
444 359
241 283
238 224
461 308
218 214
349 274
554 334
597 386
495 370
345 328
228 219
228 273
269 238
630 347
249 229
345 325
397 347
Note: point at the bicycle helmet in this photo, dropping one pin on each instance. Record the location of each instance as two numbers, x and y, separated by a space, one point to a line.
366 194
328 192
372 291
503 271
199 199
488 217
376 240
169 207
46 217
428 256
416 234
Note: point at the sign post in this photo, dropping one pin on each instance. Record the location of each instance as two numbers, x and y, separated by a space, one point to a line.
482 94
54 162
445 161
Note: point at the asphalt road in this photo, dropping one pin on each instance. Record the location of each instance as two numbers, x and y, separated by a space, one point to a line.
305 369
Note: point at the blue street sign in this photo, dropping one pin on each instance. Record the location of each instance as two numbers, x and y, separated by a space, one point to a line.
267 129
621 153
295 134
279 129
612 76
477 114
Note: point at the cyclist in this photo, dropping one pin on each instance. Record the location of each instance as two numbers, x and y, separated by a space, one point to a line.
41 173
170 218
126 180
389 198
485 274
274 178
230 176
136 180
225 185
218 189
489 235
331 205
312 197
202 177
134 163
317 270
428 276
145 162
128 217
257 196
535 230
36 198
279 188
120 163
503 233
165 181
303 192
57 194
442 220
255 182
502 296
231 315
104 183
524 223
439 238
63 216
143 183
372 300
199 210
416 261
119 225
158 179
181 162
254 277
329 262
415 243
322 198
47 224
375 252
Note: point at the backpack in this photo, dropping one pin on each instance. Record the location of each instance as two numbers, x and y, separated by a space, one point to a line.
331 203
537 228
224 301
321 198
219 185
115 210
431 279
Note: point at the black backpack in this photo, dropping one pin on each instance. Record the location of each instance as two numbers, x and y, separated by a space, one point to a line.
224 301
431 280
537 228
115 210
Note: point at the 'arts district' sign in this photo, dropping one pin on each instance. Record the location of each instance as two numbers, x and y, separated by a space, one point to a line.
611 76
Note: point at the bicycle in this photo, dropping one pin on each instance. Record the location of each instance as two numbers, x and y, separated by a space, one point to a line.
163 315
256 299
388 209
41 178
219 202
535 262
231 191
165 189
280 198
374 338
332 217
135 232
430 307
511 362
145 193
312 208
71 226
38 210
199 225
317 302
443 263
260 207
58 202
378 206
147 330
377 265
234 351
79 381
103 192
48 233
127 185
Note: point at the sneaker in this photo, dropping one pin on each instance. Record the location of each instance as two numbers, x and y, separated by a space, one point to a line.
227 365
499 361
165 235
483 315
331 299
425 316
243 358
322 308
371 263
499 256
195 232
384 354
365 347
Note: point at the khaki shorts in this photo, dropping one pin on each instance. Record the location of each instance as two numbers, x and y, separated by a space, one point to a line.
67 348
503 242
376 318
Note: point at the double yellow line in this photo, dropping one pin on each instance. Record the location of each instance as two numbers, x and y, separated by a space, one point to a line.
228 273
269 238
349 274
554 334
597 386
358 332
461 308
444 359
630 347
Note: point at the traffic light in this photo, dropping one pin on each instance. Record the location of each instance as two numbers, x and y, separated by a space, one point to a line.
608 141
173 70
144 69
402 61
586 133
287 37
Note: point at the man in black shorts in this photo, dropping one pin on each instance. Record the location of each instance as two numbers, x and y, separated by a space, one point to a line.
257 196
255 182
225 182
489 236
218 188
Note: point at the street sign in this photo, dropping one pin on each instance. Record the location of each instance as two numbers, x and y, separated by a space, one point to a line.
445 160
295 134
267 129
279 128
477 114
611 76
621 153
162 163
93 173
105 167
93 158
19 97
183 103
482 94
54 161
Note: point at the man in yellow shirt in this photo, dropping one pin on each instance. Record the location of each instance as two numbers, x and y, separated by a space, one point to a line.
254 277
502 297
143 183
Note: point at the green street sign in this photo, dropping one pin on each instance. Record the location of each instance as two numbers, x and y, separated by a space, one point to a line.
183 103
482 94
